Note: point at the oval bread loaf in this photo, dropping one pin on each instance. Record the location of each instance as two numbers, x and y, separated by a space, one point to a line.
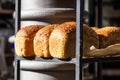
41 41
62 41
109 35
24 40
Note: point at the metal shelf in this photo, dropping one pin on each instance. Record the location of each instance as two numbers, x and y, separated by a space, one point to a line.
84 60
103 59
79 38
47 59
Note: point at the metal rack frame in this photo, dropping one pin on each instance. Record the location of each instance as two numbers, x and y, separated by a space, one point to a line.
17 27
78 61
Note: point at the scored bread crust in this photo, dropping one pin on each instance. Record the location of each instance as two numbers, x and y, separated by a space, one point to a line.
62 41
109 35
24 40
41 41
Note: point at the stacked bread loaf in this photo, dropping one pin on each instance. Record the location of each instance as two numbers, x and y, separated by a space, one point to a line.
24 40
109 42
41 41
55 40
109 35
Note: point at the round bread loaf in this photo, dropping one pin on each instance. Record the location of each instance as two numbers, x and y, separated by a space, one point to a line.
108 36
41 41
24 40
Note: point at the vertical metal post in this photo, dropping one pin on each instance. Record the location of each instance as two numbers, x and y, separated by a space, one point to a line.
99 65
99 71
17 15
92 12
92 23
100 8
17 27
79 38
17 70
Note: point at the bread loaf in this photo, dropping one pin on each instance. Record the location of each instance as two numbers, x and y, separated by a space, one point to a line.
24 40
63 40
108 36
90 38
41 41
54 40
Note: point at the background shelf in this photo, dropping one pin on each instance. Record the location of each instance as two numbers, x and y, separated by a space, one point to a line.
103 59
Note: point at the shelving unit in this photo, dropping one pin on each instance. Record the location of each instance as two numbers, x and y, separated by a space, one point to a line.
47 60
78 61
84 60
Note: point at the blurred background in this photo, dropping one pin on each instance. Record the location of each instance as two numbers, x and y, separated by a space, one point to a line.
6 31
111 17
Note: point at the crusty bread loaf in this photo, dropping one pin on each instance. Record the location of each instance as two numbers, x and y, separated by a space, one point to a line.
41 41
24 40
62 40
90 38
108 36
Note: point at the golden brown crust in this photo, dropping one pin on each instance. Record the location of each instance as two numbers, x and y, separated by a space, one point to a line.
28 31
108 30
108 35
95 28
41 41
24 40
62 40
66 27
